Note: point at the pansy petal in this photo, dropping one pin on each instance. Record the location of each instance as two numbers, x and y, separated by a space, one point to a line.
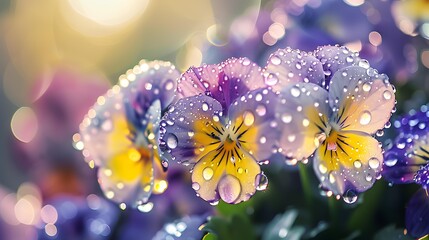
187 126
302 115
348 161
147 82
216 177
105 130
404 158
255 123
286 66
224 82
334 58
417 214
363 100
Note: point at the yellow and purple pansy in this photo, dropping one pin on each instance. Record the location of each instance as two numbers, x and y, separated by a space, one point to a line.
331 104
224 127
120 133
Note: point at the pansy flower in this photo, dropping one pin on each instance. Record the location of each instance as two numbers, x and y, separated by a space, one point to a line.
119 133
331 114
407 161
223 126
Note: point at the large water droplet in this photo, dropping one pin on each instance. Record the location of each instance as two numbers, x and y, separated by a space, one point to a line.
350 196
365 118
261 182
357 164
208 173
172 141
323 169
363 63
275 60
229 188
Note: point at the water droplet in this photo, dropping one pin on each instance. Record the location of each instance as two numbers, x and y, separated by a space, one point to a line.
286 118
271 80
350 196
357 164
363 63
323 169
263 140
148 86
248 118
295 91
366 87
196 186
305 122
391 159
368 178
229 188
208 173
298 66
205 107
291 138
365 118
246 62
374 163
261 182
191 134
275 60
172 141
387 95
147 207
164 164
261 110
169 85
349 59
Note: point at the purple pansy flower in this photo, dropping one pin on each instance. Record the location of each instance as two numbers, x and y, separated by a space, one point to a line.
119 133
407 161
338 103
223 126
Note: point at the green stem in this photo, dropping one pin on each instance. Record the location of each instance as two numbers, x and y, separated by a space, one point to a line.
306 185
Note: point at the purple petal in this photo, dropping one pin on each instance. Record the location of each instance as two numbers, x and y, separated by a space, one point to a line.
417 214
362 99
288 65
257 105
302 116
145 84
224 82
422 176
178 126
334 58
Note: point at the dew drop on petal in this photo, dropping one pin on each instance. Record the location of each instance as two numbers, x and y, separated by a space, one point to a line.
373 163
365 118
261 110
350 196
258 97
172 141
196 186
271 80
205 107
286 118
349 59
248 118
208 173
387 95
391 159
295 91
357 164
305 122
363 63
261 182
322 168
366 87
147 207
229 188
275 60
